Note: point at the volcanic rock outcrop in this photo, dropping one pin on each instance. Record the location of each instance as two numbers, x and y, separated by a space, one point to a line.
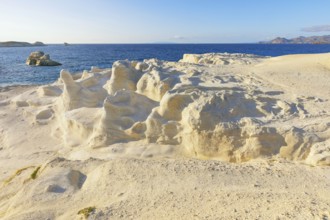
39 58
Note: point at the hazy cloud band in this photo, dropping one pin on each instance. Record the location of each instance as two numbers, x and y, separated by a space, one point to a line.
320 28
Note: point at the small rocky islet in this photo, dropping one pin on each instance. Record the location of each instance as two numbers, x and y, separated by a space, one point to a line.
39 58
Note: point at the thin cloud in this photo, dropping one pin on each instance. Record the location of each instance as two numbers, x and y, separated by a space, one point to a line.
177 37
320 28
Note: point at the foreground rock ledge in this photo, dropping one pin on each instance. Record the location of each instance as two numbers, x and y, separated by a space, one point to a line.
231 107
39 58
122 142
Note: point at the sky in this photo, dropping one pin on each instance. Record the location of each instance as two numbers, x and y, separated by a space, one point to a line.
156 21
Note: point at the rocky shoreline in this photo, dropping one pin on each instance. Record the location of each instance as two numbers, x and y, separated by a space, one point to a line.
230 135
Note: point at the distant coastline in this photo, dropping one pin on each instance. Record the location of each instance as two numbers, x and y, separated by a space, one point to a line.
300 40
21 44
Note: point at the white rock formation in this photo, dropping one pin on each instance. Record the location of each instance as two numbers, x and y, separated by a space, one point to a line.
83 142
210 106
221 58
122 118
124 76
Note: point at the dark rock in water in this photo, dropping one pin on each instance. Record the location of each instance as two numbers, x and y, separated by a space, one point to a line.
66 44
38 43
39 58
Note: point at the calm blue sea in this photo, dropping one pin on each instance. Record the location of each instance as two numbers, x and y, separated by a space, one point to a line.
13 70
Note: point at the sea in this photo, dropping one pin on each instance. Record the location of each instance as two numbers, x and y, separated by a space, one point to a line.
79 57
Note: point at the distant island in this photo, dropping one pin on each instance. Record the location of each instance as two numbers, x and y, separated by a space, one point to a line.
300 40
21 44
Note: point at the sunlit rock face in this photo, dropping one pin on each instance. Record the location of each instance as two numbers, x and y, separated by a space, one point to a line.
197 104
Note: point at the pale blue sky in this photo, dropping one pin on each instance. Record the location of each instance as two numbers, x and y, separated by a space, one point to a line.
147 21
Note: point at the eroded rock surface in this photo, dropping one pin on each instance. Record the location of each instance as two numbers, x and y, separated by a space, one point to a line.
209 106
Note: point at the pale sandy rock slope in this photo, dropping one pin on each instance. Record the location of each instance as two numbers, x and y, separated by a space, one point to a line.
213 136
